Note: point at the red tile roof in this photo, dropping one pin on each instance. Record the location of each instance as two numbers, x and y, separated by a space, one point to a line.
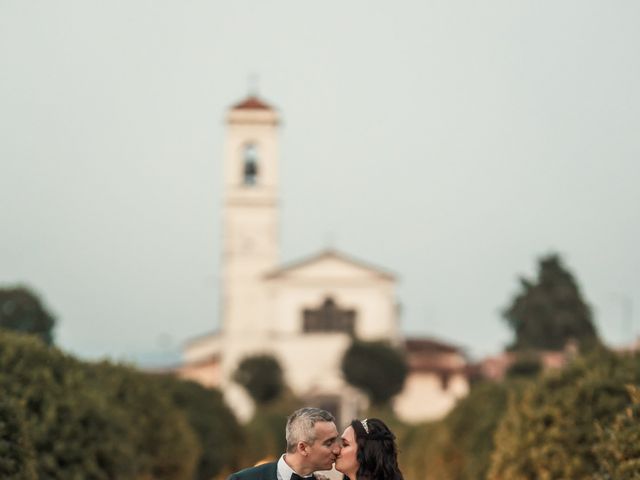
430 345
252 103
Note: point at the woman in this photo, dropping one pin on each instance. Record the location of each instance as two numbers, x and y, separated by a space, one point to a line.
368 452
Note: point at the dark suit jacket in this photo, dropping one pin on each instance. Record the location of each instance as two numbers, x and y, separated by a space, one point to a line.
266 471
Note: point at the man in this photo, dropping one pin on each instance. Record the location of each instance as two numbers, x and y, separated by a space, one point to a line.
312 444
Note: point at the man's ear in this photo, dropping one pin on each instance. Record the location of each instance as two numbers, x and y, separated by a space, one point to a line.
303 449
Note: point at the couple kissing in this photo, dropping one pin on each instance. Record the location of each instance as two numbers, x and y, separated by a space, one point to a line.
365 451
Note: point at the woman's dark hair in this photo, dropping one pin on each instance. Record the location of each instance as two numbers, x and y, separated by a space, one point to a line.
377 451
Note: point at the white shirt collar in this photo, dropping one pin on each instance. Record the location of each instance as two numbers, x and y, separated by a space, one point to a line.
285 471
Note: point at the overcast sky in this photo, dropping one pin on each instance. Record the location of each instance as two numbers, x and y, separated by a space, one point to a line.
452 142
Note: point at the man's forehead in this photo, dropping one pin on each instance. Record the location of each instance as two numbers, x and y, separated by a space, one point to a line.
325 430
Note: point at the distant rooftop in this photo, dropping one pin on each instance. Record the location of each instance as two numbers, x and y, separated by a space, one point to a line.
430 345
252 102
330 253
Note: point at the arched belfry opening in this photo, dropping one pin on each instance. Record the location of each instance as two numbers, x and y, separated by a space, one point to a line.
250 165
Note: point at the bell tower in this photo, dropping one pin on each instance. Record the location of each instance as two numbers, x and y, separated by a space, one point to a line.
250 214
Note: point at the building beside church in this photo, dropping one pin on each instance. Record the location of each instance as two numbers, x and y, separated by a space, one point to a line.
303 313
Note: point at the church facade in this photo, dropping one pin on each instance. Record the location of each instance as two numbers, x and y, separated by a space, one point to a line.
305 313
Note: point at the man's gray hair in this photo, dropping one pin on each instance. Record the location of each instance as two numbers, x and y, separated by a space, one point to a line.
300 426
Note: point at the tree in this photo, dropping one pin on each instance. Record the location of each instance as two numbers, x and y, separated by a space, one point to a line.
550 427
261 376
212 421
550 311
376 368
22 310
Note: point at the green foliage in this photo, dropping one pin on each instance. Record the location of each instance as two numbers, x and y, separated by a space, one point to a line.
261 376
216 427
22 311
550 426
550 311
16 452
91 422
266 430
68 425
376 368
527 364
618 448
459 446
470 427
420 452
165 446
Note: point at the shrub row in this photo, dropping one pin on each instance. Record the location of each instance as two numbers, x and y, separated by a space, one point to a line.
578 422
61 418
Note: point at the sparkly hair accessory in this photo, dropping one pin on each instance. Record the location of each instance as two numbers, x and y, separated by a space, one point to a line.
365 426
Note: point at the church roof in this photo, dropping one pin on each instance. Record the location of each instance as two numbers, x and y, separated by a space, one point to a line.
330 254
252 102
202 338
435 356
429 345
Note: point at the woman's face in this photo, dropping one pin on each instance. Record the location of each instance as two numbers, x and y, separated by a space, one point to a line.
347 461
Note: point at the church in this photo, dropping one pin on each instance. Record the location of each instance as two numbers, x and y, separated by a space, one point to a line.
307 312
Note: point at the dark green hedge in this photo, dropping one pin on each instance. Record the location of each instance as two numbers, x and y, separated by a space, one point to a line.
16 453
214 424
578 422
618 448
459 446
550 430
73 431
67 419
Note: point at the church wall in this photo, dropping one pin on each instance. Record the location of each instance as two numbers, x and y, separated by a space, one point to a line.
236 347
250 251
373 301
459 385
313 361
202 348
424 398
206 374
332 267
310 362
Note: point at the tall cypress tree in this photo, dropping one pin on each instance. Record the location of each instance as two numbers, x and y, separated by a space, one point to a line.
549 312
